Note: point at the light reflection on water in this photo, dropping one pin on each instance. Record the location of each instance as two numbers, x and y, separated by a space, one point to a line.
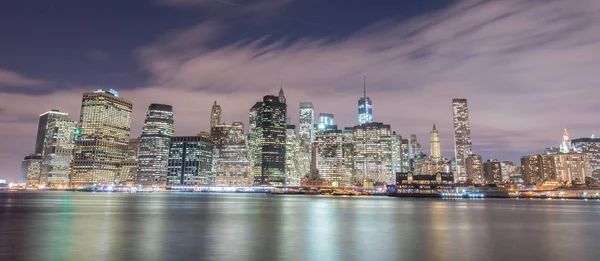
96 226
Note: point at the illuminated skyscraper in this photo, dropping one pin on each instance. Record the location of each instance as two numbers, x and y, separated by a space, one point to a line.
31 168
590 147
404 156
565 145
415 152
57 155
396 153
293 158
373 153
462 137
435 150
233 166
365 106
492 171
474 168
329 161
45 118
255 140
306 121
129 166
561 167
348 134
105 125
270 135
215 115
154 145
191 161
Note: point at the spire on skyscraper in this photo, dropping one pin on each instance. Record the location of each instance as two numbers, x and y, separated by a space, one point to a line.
281 94
365 85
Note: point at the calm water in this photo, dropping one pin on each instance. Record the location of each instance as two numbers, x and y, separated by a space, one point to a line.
97 226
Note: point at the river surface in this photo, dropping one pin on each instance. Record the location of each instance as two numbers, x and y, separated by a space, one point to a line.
179 226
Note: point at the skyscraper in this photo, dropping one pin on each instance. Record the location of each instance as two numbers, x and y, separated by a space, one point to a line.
154 145
31 168
105 125
293 158
492 171
57 155
435 150
43 122
215 115
255 140
565 145
589 146
329 161
474 168
270 135
365 106
396 153
129 166
233 166
305 122
191 161
561 167
462 137
373 153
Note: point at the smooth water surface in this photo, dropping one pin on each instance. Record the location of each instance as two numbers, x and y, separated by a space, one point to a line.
179 226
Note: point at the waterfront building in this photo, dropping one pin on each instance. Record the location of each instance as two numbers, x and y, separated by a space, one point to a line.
270 136
233 166
462 137
561 167
295 169
31 168
154 145
255 140
492 171
105 121
348 151
191 161
215 115
330 165
57 155
373 154
508 169
396 152
45 118
365 106
474 168
435 149
129 166
305 125
404 156
589 146
409 178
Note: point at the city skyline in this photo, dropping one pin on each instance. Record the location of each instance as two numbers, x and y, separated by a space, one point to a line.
400 98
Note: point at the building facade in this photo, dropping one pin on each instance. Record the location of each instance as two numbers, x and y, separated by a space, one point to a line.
215 115
435 149
492 171
57 155
365 107
305 125
561 167
45 118
330 164
105 122
474 168
462 137
155 141
191 161
31 169
373 154
589 146
293 158
233 166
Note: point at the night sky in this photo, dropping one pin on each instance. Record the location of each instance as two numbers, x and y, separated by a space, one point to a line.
528 68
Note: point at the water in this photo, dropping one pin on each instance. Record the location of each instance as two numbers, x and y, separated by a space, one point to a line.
103 226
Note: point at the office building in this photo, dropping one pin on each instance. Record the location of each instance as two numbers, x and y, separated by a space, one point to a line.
589 146
435 149
294 171
348 151
305 125
330 165
255 140
561 167
373 154
404 156
215 115
154 145
191 161
105 121
269 134
462 137
396 152
219 133
474 168
31 168
57 155
492 171
129 166
565 145
45 118
233 166
365 107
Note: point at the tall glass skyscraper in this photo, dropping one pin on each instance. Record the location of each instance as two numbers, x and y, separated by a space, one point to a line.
365 107
306 121
373 153
589 146
269 133
462 137
232 162
105 125
45 118
154 145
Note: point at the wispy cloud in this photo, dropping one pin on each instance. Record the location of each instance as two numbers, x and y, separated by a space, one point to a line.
14 79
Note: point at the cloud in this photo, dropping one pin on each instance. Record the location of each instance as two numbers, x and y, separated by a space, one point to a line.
244 6
14 79
527 67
